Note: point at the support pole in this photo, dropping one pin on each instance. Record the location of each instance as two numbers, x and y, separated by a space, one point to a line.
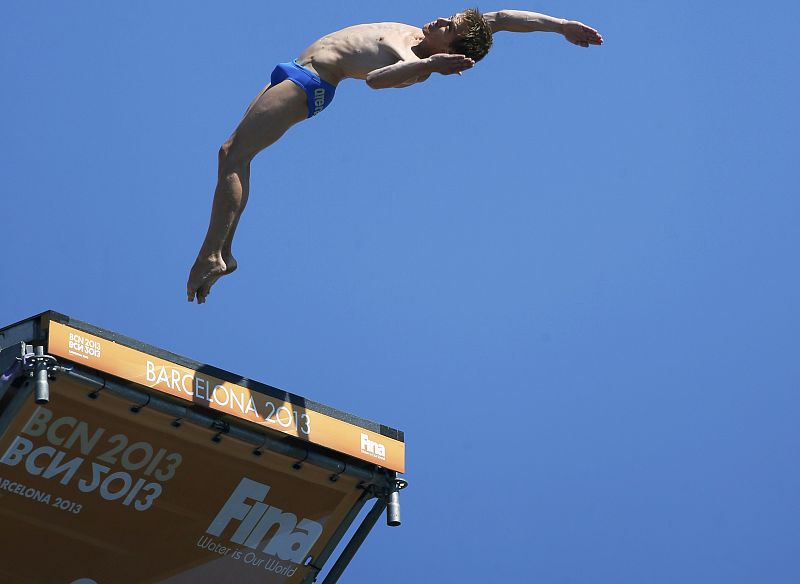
393 501
41 388
358 538
319 561
393 509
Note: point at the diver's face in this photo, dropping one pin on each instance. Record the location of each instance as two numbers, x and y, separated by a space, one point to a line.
442 32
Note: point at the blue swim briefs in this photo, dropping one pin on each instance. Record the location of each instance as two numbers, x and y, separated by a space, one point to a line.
319 92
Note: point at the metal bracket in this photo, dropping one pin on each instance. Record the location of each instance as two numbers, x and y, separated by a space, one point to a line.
298 464
391 496
222 428
335 476
95 393
258 450
41 368
136 408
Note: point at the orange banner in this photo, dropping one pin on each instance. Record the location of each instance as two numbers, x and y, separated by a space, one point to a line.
92 493
230 398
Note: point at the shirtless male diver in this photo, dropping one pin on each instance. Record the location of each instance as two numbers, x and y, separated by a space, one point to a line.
384 54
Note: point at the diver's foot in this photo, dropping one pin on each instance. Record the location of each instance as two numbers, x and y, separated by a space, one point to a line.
204 274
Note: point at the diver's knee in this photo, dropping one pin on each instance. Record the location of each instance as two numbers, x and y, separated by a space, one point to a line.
229 157
225 151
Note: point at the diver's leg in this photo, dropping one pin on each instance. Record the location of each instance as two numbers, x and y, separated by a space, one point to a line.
268 117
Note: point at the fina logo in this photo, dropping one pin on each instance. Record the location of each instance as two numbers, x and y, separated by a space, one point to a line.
319 100
374 449
291 541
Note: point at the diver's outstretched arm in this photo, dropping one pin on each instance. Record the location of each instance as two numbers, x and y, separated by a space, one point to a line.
405 73
522 21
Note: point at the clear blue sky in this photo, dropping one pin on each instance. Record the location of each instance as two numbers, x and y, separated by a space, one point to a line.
570 276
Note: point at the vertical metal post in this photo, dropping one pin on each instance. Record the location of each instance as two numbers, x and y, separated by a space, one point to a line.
393 509
41 387
393 501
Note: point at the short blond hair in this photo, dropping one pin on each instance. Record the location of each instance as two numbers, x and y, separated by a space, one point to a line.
476 41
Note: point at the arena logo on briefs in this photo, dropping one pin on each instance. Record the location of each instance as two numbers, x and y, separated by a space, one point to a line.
319 100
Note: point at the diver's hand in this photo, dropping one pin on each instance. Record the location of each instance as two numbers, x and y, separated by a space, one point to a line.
447 64
579 34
